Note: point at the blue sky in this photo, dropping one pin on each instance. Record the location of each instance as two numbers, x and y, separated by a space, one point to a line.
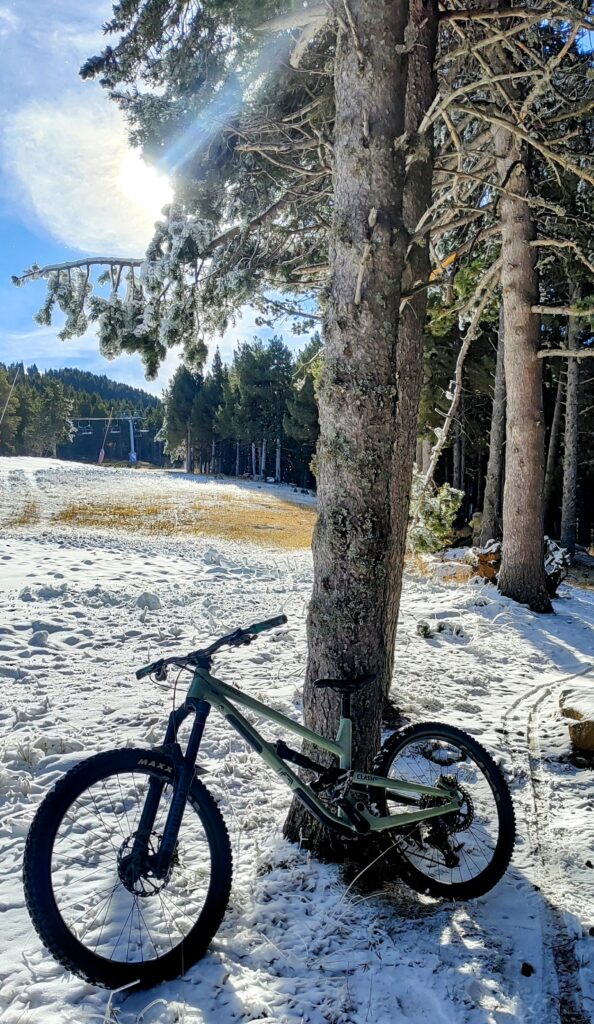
69 183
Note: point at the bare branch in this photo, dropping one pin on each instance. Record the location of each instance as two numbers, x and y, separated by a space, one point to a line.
487 285
565 243
563 311
490 14
565 353
530 140
300 18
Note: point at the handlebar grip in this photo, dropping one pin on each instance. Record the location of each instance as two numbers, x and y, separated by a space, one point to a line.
144 671
259 627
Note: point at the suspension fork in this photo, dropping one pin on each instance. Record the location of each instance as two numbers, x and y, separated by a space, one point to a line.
184 775
181 787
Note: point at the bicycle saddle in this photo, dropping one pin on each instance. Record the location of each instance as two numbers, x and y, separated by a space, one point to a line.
346 685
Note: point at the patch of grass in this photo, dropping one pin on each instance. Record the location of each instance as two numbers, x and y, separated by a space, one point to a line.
27 516
267 522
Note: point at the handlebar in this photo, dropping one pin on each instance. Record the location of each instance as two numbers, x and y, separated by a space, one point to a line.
233 639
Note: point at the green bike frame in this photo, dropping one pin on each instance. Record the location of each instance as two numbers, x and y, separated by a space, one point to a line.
206 691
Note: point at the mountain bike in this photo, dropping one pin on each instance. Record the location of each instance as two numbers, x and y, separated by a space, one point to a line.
127 866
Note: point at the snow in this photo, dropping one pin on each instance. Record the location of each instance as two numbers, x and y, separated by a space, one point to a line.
296 945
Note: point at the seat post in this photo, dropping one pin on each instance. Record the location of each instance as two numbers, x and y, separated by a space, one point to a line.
345 705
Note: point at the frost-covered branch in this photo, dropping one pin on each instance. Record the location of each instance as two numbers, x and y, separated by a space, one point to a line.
35 272
485 289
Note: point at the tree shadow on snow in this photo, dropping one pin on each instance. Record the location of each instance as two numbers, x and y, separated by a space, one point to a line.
299 944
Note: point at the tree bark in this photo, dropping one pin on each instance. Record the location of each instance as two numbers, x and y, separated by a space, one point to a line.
570 457
189 466
352 615
420 91
263 459
254 459
277 468
237 458
490 526
427 449
457 456
522 575
553 454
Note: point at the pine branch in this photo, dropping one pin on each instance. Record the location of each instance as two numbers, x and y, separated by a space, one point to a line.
114 261
86 262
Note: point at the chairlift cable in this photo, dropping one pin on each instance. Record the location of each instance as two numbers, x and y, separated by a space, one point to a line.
102 449
18 369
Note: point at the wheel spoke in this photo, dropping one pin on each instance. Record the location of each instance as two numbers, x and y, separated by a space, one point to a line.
133 916
470 835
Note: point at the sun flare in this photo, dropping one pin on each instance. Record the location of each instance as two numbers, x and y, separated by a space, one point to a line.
142 185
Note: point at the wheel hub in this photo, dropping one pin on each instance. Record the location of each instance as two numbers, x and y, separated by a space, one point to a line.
137 869
441 830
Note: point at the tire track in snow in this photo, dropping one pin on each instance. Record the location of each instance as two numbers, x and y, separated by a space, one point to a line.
562 981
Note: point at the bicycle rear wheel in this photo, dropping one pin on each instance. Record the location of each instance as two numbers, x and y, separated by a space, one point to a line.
98 921
463 854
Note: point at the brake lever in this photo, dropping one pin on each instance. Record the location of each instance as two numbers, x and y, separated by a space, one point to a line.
161 674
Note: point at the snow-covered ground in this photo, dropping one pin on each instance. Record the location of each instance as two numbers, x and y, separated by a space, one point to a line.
296 945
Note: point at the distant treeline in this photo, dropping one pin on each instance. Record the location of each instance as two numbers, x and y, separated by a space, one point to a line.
257 417
60 413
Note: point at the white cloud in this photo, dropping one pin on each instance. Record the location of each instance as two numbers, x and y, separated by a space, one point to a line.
72 167
42 347
8 21
246 329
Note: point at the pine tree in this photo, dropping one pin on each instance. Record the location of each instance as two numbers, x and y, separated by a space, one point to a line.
301 422
56 409
9 412
263 378
179 402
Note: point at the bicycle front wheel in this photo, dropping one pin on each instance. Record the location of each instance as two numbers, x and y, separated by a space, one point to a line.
98 920
463 854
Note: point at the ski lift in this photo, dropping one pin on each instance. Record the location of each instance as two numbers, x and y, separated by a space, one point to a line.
85 429
116 429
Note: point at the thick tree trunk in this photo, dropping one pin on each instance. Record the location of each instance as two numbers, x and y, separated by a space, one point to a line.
352 614
254 460
420 92
570 457
522 575
237 458
490 526
553 454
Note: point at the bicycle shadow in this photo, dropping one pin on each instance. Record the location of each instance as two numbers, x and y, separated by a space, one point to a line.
296 946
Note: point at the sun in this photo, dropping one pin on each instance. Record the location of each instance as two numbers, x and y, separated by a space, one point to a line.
142 185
